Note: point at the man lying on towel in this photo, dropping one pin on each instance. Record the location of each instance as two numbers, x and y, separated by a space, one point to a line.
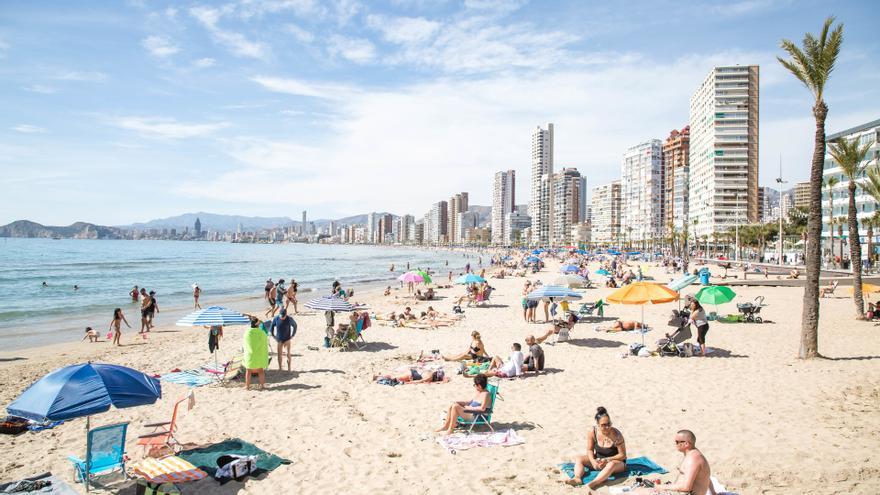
695 477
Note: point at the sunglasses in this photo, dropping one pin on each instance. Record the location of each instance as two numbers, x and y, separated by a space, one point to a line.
679 442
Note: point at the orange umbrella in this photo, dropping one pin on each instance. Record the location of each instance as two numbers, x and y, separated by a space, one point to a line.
866 288
643 293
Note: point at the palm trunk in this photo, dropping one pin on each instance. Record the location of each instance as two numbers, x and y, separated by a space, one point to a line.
831 222
809 345
870 243
855 252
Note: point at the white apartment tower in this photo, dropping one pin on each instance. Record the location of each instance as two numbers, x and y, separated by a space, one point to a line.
605 214
541 198
503 204
641 193
723 177
458 204
568 188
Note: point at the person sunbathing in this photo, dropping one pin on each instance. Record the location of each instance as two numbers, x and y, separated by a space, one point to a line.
561 328
695 474
606 453
626 325
476 351
466 410
408 314
513 367
414 375
794 274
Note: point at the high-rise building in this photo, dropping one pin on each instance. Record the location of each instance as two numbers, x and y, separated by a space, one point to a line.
605 214
197 228
723 180
503 204
802 195
567 192
641 193
541 198
439 216
305 224
372 227
458 204
676 155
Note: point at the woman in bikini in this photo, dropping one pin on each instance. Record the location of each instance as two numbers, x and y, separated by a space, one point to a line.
291 295
466 410
606 452
476 351
116 325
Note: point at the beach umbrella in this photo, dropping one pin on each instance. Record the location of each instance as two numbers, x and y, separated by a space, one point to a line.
425 276
85 389
533 259
411 277
603 272
866 288
537 251
715 294
556 292
329 303
214 315
470 278
581 251
569 281
642 293
570 269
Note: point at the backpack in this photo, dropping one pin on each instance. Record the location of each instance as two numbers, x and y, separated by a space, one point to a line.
235 466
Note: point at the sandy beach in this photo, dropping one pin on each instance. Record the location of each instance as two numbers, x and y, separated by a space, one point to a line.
767 422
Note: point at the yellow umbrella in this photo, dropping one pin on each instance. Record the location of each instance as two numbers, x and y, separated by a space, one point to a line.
642 293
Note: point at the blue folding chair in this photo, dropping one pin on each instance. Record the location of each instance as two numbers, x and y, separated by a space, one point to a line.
105 453
485 417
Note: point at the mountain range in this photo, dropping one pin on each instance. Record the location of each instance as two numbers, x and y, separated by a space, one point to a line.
78 230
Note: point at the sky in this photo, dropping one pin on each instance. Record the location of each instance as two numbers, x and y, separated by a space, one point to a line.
118 112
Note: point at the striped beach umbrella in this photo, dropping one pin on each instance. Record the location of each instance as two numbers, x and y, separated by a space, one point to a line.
330 303
557 292
214 315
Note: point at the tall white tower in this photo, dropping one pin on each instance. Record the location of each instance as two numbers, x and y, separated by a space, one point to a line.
541 198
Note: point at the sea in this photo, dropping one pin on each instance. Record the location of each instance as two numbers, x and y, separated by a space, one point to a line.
231 275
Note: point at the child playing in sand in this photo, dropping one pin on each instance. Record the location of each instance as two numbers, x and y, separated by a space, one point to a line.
91 335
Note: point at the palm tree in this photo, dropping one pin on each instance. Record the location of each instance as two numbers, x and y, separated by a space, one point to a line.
830 182
849 155
812 65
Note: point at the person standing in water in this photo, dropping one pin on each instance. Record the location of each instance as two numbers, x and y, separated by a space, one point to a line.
154 308
135 294
116 325
197 291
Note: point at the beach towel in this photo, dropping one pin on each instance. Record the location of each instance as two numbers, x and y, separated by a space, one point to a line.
638 466
190 378
170 469
205 458
464 441
256 349
56 486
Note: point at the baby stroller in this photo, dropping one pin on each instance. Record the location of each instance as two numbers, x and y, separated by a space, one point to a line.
669 346
750 310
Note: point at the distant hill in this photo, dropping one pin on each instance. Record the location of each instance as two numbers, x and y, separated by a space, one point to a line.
484 213
213 221
78 230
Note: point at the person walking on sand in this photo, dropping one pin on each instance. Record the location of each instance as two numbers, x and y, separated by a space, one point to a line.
270 297
291 295
283 330
135 295
145 311
116 325
153 309
197 291
695 476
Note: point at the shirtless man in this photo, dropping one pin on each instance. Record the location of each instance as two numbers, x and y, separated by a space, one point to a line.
145 311
695 475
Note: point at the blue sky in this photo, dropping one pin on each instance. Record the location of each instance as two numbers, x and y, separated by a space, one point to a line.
115 112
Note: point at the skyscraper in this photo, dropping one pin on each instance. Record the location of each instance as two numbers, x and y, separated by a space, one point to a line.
503 204
676 158
458 204
439 217
197 228
567 192
541 198
305 225
723 179
641 193
605 214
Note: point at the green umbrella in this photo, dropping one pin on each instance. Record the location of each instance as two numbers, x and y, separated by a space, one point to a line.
424 275
715 295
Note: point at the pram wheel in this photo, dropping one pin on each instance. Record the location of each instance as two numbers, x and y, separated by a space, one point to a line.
758 319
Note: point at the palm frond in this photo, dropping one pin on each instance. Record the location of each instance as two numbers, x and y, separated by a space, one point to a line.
813 62
849 155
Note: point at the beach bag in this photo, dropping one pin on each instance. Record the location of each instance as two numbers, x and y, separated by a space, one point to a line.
235 466
634 348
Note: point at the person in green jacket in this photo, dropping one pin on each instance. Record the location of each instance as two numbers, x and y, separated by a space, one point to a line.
256 353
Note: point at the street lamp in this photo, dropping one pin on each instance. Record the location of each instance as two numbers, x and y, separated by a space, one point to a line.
780 182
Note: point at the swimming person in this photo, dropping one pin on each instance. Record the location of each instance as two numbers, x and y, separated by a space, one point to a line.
116 325
606 452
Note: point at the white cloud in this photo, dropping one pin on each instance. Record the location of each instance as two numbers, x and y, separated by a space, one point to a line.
301 35
297 87
357 50
171 12
38 88
82 76
403 29
237 43
345 10
28 129
204 63
160 127
159 46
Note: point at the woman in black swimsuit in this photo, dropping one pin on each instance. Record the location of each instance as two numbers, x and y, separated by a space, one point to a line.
476 351
606 452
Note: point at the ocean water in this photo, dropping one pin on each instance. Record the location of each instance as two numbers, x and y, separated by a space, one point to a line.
106 270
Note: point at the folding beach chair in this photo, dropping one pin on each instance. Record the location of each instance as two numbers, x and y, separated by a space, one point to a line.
359 330
485 417
587 309
163 433
105 453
